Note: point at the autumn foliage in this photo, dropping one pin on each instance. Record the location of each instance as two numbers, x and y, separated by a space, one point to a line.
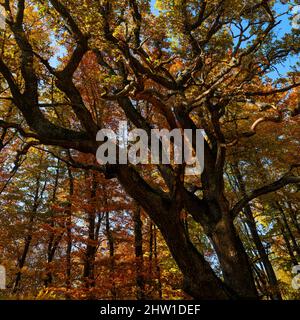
71 228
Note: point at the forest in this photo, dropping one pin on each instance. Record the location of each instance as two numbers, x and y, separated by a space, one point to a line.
72 228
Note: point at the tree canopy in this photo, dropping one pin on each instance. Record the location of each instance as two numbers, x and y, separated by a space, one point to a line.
75 229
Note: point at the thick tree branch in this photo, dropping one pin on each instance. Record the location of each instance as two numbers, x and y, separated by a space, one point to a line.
253 129
284 181
272 92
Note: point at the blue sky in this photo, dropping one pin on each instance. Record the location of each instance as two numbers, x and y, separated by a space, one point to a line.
284 27
281 30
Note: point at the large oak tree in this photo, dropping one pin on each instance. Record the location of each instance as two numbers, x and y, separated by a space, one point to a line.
195 65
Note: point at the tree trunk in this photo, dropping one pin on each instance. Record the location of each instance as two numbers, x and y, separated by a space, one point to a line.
233 259
138 240
69 232
296 248
275 292
91 248
293 215
287 242
22 260
28 238
151 249
111 246
53 241
157 266
199 279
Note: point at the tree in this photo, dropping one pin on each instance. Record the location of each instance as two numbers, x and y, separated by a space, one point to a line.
192 66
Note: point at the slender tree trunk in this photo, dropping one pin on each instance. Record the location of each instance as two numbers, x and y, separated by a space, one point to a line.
53 241
293 216
157 266
111 246
287 242
28 238
69 232
138 239
52 248
296 248
260 279
22 260
151 249
91 248
275 291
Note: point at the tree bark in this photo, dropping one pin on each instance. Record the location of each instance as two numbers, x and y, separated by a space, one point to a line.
157 266
91 247
275 292
53 241
233 259
199 279
28 238
69 232
111 246
138 240
287 242
296 248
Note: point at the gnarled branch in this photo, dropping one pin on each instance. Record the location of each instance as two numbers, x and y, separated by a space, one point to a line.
284 181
